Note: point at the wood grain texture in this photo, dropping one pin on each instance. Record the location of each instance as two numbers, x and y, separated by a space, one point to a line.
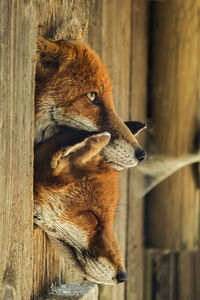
29 264
108 33
78 291
17 42
171 275
173 209
56 20
160 276
137 111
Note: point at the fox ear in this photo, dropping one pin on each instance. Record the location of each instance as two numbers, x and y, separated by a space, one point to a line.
47 58
135 127
80 153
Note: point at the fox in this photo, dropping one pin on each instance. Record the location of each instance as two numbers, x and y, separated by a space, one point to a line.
76 195
73 89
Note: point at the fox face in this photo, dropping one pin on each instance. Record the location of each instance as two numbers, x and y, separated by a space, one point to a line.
76 194
73 89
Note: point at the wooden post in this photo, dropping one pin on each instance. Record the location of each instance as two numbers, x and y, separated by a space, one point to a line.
56 20
17 43
137 107
117 31
172 275
76 291
29 264
173 206
112 22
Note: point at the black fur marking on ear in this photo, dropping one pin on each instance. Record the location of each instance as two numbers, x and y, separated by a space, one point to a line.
135 126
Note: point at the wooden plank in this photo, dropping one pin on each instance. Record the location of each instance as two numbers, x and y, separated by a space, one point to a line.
160 275
108 32
17 25
148 274
185 280
173 213
56 20
108 39
188 275
76 291
196 273
137 107
171 275
62 19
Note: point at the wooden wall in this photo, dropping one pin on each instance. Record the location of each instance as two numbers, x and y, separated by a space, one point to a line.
17 44
29 264
122 45
119 32
172 270
174 104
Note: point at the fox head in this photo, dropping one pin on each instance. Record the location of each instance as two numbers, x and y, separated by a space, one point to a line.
76 194
73 89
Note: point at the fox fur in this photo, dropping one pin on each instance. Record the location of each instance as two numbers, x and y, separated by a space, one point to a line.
76 194
66 72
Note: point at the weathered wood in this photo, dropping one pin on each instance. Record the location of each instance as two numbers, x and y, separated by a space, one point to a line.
160 281
185 284
171 275
76 291
62 19
108 32
18 19
17 42
196 273
112 40
56 20
173 214
137 111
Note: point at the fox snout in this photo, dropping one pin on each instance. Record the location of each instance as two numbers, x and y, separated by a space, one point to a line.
100 267
123 150
140 154
121 276
101 264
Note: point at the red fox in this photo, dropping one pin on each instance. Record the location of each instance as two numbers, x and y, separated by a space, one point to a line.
73 89
76 193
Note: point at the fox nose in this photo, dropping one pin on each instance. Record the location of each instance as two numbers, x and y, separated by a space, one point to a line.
140 154
121 276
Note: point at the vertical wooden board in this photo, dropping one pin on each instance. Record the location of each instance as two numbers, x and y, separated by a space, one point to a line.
94 31
188 275
185 277
59 20
56 20
148 274
196 273
173 206
109 35
163 276
171 275
172 219
17 42
138 81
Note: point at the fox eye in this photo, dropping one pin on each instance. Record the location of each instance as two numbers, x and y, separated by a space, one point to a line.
89 216
93 97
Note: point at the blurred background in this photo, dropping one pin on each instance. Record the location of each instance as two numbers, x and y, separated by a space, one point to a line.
152 51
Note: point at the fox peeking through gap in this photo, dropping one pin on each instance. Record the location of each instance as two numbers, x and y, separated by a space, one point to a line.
76 194
73 89
80 144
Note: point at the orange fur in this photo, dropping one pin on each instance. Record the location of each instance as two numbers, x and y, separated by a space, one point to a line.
85 189
65 72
